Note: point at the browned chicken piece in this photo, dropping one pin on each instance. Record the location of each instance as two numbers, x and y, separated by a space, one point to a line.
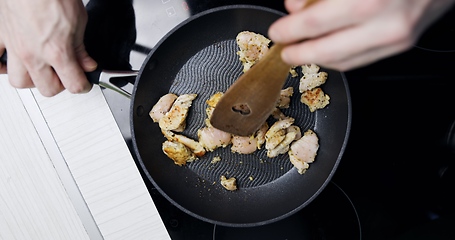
277 132
253 46
311 77
296 129
214 99
163 106
304 151
285 97
283 146
209 137
193 145
293 72
229 183
178 152
175 118
260 135
315 99
278 114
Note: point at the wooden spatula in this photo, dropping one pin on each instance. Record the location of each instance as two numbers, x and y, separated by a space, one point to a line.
247 104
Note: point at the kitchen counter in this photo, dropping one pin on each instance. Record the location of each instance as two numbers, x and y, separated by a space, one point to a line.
66 171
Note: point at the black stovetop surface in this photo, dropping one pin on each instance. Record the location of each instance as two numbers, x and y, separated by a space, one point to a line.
396 175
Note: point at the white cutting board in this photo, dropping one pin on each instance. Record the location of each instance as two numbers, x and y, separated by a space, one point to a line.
66 172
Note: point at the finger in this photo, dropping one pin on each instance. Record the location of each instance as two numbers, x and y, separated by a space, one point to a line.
46 81
316 20
17 73
365 58
293 6
70 72
87 63
343 44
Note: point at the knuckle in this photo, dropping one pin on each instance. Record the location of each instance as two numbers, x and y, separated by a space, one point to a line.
20 82
48 91
77 88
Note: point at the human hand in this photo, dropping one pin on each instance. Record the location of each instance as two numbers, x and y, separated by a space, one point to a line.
44 40
346 34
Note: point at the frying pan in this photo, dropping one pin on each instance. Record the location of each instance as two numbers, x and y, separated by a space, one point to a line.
199 56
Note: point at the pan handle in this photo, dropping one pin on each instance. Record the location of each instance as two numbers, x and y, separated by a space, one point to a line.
103 78
100 77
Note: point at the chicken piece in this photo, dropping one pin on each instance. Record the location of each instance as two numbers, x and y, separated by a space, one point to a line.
296 129
209 112
283 146
175 118
293 72
311 77
277 132
299 165
253 46
212 138
214 99
193 145
285 97
178 152
315 99
278 114
229 183
244 144
260 135
304 151
163 106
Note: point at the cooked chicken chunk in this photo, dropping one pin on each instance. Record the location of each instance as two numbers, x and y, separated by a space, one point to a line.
178 152
285 97
278 114
229 183
214 99
315 99
293 72
304 151
277 133
175 118
260 135
163 106
244 144
212 138
253 46
311 77
193 145
296 129
283 146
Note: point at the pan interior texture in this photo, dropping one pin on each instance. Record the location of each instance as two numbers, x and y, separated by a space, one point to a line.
199 56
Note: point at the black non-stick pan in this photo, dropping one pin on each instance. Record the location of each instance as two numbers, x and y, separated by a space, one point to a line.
199 56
